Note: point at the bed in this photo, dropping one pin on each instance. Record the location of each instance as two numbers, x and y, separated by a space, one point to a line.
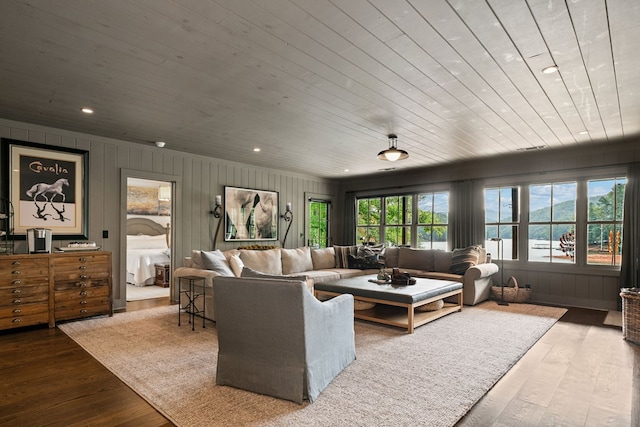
147 245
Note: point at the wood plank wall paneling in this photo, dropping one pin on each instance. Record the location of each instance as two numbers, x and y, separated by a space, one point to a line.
201 179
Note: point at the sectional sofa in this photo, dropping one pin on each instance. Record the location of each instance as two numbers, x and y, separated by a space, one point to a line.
471 266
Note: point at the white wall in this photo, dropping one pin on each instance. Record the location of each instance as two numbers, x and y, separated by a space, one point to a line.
199 180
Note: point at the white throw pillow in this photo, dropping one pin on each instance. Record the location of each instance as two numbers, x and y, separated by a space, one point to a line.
323 258
236 264
265 261
215 261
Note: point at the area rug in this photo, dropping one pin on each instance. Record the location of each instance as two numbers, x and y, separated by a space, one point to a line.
137 293
614 318
432 377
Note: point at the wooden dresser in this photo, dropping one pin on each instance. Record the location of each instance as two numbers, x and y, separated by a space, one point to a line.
47 288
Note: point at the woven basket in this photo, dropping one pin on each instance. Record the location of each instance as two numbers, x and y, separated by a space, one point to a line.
511 293
631 314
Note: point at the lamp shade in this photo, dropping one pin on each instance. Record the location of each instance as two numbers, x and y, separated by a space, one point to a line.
393 153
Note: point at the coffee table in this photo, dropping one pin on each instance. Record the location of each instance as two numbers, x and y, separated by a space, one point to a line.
396 306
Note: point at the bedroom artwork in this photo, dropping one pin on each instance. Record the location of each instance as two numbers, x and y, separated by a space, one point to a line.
250 214
47 186
147 201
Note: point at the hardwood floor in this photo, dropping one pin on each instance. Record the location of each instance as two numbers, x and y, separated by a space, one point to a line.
46 379
580 373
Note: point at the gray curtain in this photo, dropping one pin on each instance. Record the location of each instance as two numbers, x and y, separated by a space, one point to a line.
631 230
467 210
349 220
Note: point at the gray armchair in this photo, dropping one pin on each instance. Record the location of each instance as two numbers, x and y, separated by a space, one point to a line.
276 338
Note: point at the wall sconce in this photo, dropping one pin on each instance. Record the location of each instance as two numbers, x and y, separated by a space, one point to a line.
500 242
288 217
217 213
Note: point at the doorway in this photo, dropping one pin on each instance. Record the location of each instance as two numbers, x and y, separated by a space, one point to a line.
149 220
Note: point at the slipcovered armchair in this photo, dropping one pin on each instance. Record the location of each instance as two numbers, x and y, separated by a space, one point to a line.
276 338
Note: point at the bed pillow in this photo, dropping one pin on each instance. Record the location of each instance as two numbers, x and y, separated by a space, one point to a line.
147 242
462 259
296 260
215 261
236 264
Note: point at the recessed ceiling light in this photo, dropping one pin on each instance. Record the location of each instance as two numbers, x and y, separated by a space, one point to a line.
346 170
550 69
583 132
87 110
160 144
256 149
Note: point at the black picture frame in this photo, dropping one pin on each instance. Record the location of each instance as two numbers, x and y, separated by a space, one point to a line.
47 186
250 215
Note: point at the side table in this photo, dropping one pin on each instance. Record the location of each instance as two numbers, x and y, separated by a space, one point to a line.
188 286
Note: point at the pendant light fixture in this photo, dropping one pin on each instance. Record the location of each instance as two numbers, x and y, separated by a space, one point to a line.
393 153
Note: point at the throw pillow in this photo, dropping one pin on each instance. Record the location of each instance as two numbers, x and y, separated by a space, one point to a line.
416 259
236 264
462 259
249 272
215 261
342 252
323 258
196 259
363 263
268 261
296 260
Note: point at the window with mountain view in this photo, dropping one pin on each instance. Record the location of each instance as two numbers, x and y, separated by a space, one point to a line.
604 221
502 217
414 219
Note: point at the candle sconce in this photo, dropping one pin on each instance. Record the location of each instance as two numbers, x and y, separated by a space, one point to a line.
288 217
217 213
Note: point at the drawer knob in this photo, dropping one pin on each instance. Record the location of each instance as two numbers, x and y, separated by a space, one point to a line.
16 282
82 259
83 293
84 276
83 311
15 272
16 263
17 320
17 301
83 302
83 267
17 291
17 311
82 284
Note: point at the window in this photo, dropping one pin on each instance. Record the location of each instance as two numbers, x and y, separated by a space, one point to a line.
397 224
369 214
604 220
433 220
319 223
568 222
552 222
392 219
502 218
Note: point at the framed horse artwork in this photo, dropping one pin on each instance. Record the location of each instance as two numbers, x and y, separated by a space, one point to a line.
47 186
250 214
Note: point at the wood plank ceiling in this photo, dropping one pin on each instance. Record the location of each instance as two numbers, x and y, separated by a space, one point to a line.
318 84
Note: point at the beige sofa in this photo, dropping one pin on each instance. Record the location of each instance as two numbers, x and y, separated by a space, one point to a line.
328 264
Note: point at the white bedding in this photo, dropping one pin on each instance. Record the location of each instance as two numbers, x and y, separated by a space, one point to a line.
143 252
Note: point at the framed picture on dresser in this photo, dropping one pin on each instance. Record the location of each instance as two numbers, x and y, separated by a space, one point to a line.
47 186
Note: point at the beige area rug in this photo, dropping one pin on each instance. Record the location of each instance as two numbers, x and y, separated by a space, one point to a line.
137 293
432 377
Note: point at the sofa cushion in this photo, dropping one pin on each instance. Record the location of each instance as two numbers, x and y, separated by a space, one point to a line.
248 272
463 258
442 260
236 264
268 261
342 252
418 259
296 260
390 256
216 261
323 258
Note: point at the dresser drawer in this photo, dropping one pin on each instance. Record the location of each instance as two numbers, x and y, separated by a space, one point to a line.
24 315
81 282
79 308
81 293
23 294
62 263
